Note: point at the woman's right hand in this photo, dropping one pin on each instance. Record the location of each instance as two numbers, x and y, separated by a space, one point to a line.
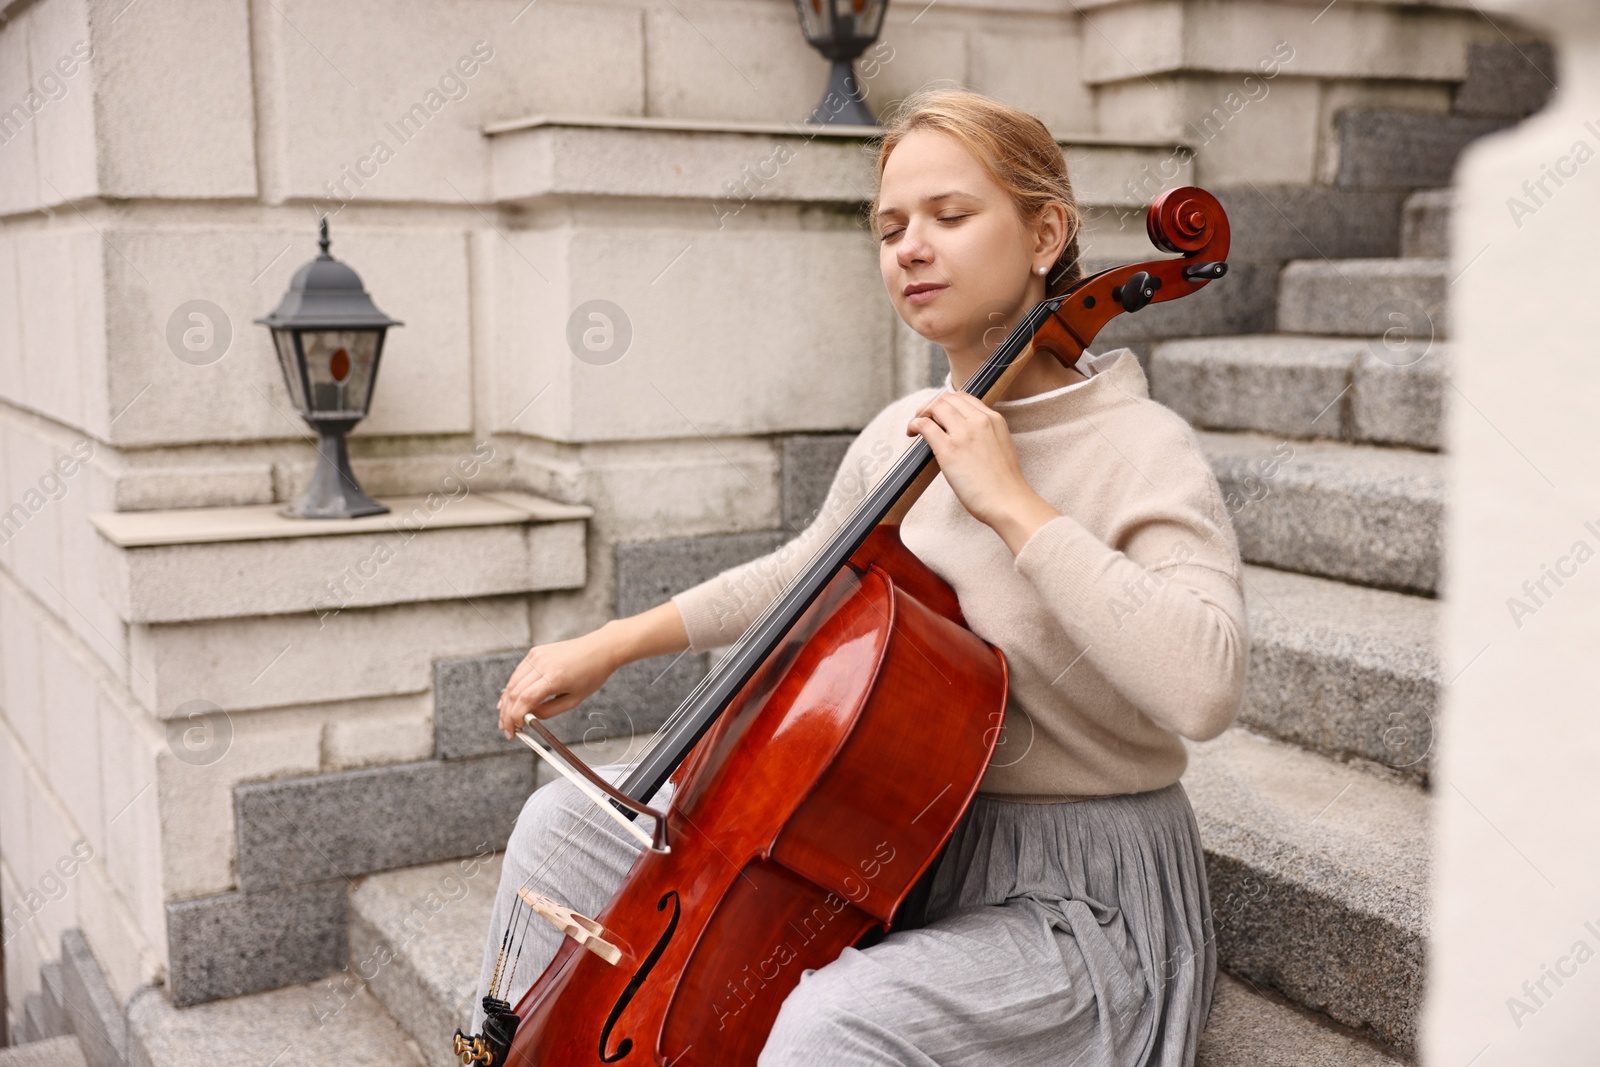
557 677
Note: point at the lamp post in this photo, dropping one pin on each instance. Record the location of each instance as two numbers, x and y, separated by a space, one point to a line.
329 334
841 30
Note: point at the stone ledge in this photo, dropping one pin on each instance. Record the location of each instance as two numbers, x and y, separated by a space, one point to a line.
256 522
671 124
337 826
1402 403
1415 41
1270 383
604 156
218 563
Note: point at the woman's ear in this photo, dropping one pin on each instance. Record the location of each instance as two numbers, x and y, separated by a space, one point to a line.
1051 232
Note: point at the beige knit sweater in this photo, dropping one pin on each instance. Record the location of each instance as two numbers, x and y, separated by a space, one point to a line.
1122 622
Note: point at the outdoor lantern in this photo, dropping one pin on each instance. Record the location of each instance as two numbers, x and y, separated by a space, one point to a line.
329 335
841 30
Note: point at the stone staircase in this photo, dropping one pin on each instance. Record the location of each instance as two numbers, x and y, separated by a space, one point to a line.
1314 807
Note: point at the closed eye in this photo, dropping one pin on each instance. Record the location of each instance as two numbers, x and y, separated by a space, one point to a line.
945 218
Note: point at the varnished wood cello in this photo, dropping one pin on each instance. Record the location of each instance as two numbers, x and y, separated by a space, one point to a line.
819 767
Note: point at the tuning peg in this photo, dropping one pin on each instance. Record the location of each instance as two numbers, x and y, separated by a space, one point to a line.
1200 271
1137 291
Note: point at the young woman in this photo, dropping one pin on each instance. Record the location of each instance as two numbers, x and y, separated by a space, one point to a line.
1068 920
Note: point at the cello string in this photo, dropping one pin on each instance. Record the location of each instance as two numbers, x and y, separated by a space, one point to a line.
753 632
520 922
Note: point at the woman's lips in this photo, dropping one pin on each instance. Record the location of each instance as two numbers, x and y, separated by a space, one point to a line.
925 295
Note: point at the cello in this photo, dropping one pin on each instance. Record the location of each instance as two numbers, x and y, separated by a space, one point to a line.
819 767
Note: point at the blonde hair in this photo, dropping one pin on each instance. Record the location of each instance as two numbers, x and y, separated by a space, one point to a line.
1014 147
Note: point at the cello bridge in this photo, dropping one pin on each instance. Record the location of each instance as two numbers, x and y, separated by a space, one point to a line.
582 929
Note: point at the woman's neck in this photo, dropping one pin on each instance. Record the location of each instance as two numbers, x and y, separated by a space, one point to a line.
1038 375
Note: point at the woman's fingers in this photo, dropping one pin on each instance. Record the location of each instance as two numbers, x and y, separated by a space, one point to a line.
526 670
552 679
521 696
949 409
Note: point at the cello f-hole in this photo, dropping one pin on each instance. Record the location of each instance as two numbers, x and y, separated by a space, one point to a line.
626 1045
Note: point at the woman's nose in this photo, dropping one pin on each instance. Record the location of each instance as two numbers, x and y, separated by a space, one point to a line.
911 248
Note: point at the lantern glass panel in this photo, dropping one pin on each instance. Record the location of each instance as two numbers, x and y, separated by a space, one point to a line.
339 365
814 20
870 20
857 18
283 340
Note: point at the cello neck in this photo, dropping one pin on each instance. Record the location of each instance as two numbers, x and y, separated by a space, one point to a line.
1187 220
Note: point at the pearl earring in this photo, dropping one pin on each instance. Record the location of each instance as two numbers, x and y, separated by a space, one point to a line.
1043 269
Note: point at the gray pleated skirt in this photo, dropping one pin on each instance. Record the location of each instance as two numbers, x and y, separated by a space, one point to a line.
1075 934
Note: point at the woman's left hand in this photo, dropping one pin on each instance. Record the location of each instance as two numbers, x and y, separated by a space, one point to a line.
973 445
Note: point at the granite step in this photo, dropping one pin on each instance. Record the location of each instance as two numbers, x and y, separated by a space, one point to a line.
1401 301
1304 387
1252 1027
416 942
430 979
309 1025
51 1052
1343 670
1359 513
1425 223
1405 149
1318 875
417 933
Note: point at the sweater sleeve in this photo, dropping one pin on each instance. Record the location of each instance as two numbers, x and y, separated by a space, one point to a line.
718 610
1161 616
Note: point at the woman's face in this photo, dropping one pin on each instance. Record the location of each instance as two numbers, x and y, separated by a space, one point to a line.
946 224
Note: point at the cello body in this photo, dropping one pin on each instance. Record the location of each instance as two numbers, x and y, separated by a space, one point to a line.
800 822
